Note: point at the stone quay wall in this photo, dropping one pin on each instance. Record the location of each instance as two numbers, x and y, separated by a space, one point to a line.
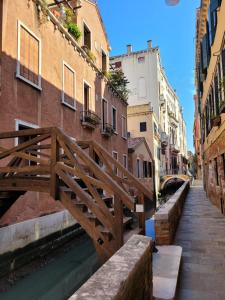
167 217
126 275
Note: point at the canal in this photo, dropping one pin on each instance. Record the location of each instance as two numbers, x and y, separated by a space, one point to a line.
59 278
61 273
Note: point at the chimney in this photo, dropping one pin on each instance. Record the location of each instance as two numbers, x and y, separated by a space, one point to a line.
129 49
149 44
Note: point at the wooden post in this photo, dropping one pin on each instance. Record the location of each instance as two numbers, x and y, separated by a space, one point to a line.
118 212
141 217
54 181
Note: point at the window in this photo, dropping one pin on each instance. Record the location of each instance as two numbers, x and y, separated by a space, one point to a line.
158 153
86 97
138 168
115 156
125 161
104 113
29 57
150 169
21 125
216 171
155 129
223 159
114 119
141 59
104 62
124 127
145 169
143 126
87 37
68 91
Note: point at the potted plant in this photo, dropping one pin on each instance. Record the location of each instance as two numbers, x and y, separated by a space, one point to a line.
74 30
216 120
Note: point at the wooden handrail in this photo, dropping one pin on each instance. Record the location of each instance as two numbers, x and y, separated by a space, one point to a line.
126 199
26 132
109 158
53 154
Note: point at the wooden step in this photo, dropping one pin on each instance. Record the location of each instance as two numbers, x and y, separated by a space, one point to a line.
92 218
127 221
105 232
107 199
80 204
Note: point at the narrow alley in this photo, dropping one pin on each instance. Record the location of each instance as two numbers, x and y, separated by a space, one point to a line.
202 236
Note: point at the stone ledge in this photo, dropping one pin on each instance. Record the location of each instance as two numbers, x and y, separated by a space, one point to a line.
126 275
166 264
167 217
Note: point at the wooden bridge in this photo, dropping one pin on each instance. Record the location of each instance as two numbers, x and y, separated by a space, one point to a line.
167 178
103 197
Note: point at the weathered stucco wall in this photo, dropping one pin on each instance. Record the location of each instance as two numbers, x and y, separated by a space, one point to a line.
21 234
126 275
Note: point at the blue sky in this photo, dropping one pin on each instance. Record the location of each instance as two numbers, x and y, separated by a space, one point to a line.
172 28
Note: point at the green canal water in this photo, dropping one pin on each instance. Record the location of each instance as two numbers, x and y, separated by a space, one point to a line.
60 278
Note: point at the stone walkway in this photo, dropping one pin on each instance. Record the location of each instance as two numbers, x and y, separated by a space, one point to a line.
201 233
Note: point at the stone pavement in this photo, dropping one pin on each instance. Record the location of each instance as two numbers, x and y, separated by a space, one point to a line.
201 233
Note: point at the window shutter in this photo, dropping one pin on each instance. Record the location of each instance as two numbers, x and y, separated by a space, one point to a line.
69 89
29 56
223 62
214 4
204 52
216 94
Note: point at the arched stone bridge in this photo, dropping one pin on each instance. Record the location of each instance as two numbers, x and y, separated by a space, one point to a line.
167 178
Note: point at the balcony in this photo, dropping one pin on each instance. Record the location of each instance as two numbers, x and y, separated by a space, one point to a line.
173 118
107 130
89 119
164 139
174 148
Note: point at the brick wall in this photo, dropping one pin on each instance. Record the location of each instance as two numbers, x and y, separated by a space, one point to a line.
43 108
167 217
214 173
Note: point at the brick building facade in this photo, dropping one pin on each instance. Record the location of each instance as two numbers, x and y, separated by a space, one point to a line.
210 75
47 78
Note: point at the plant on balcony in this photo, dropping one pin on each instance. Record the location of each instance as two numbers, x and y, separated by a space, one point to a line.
216 120
74 30
42 12
119 82
108 129
91 118
69 15
89 53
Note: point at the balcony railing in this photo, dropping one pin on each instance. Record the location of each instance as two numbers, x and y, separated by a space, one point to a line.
89 119
174 148
107 130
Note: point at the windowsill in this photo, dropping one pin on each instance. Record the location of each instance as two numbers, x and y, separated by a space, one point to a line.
115 132
125 138
37 87
68 105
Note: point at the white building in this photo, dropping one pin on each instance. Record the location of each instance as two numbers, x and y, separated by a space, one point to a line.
149 87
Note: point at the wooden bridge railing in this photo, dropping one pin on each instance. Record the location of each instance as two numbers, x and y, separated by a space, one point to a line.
47 160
